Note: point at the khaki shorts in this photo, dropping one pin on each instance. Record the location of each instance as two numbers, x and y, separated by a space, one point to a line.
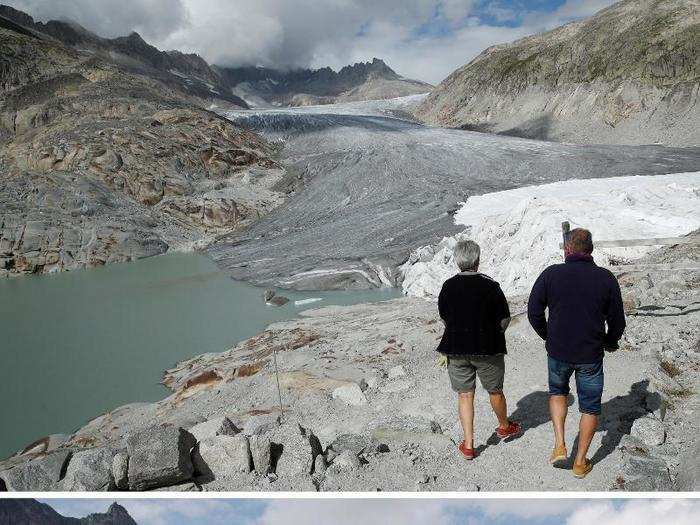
463 371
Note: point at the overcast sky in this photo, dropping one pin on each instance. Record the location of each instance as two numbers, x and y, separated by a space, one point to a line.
404 511
423 39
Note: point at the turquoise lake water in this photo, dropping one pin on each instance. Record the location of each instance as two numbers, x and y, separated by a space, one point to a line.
76 344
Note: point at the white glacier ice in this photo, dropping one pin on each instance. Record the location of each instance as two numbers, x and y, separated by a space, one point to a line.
519 230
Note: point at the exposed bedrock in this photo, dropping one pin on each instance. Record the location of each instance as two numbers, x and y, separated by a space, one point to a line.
375 188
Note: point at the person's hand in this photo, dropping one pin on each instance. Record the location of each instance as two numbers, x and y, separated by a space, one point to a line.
442 361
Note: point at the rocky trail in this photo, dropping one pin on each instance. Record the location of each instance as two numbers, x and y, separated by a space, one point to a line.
367 408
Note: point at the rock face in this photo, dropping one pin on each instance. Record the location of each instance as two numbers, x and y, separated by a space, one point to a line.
100 165
303 87
222 457
627 75
89 471
159 457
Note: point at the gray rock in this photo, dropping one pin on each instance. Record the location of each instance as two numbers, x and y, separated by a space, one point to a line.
260 424
222 457
649 431
14 479
89 471
355 443
642 471
120 470
277 300
688 478
260 453
159 456
45 472
188 486
219 426
346 460
320 465
295 449
350 395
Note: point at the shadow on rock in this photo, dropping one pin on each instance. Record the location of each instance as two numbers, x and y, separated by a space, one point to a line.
617 417
533 410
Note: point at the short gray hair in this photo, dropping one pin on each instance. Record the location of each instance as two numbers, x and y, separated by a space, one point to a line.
466 255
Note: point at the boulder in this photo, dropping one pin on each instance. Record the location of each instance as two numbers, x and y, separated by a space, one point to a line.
13 479
222 457
294 450
219 426
277 300
158 457
89 471
649 431
350 395
45 472
120 470
346 460
260 453
355 443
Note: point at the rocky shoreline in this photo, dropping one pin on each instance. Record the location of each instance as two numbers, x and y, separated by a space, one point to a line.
365 407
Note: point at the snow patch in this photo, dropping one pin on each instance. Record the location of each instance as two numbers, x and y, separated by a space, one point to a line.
519 230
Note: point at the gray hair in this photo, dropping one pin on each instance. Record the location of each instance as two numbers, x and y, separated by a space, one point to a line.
466 255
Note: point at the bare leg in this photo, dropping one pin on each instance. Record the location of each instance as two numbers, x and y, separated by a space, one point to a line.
558 410
500 408
465 403
586 430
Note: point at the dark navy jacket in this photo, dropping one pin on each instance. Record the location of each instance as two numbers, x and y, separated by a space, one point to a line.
473 308
582 297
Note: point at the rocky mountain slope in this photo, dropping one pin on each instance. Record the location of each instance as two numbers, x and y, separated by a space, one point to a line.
302 87
32 512
100 164
188 73
627 75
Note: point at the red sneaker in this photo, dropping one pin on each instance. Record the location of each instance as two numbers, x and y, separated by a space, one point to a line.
514 428
468 453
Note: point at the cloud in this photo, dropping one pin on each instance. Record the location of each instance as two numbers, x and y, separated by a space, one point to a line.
425 39
153 19
353 511
168 511
658 512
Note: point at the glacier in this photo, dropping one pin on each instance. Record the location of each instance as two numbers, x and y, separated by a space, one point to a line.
369 189
519 230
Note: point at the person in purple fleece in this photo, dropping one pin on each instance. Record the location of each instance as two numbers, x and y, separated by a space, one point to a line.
585 319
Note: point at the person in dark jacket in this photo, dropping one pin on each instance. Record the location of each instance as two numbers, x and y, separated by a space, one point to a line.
476 314
582 298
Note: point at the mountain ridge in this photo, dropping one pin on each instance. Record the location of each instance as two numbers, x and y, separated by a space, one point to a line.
33 512
192 74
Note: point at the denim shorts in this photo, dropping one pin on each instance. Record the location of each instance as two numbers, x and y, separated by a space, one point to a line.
589 383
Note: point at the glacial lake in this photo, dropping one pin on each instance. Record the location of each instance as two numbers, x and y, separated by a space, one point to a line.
77 344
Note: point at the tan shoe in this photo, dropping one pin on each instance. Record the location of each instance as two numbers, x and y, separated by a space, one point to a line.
581 471
558 454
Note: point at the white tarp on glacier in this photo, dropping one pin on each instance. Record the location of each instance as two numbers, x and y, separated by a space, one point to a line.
519 230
